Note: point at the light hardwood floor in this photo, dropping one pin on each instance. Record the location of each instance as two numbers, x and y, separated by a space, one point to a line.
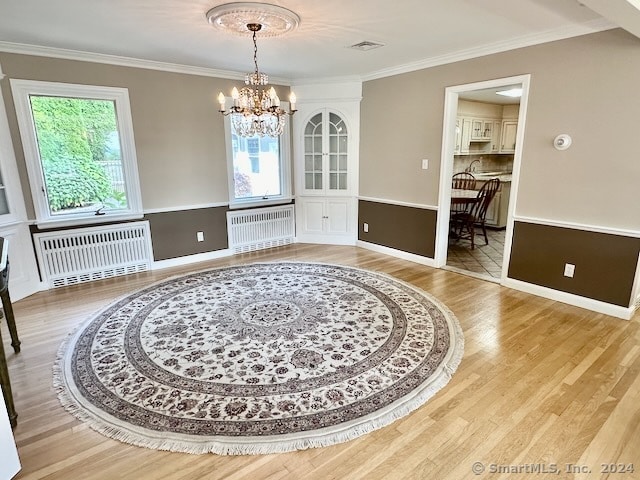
540 383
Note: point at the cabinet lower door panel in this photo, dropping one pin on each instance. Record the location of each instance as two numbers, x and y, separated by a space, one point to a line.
338 213
313 216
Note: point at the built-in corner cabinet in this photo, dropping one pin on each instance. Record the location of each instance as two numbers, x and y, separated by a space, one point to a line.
325 201
325 151
14 228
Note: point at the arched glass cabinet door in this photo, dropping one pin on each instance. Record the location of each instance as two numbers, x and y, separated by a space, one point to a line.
338 142
313 149
325 154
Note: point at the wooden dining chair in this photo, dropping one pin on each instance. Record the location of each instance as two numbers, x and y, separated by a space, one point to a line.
462 181
465 223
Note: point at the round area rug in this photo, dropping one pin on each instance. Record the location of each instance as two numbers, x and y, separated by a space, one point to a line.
259 358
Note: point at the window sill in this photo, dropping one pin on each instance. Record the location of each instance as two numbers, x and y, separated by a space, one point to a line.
260 203
79 222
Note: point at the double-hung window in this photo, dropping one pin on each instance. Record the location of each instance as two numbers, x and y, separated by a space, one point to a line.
258 168
79 150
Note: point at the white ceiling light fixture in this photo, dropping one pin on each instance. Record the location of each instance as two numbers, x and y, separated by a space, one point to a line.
513 92
256 107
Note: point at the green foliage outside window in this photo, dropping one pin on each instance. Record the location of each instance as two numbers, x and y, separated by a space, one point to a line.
74 137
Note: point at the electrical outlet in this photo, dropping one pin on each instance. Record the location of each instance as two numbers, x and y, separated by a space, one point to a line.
569 270
425 163
365 227
200 236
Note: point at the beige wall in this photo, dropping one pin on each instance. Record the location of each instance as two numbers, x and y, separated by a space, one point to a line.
178 132
584 86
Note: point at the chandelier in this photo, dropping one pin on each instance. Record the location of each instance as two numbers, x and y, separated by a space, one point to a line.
256 107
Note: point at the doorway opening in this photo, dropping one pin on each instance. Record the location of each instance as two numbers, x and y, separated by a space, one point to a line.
484 125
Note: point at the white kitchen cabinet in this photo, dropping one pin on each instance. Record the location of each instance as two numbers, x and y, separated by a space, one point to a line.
495 136
498 208
458 136
481 129
493 212
465 136
508 136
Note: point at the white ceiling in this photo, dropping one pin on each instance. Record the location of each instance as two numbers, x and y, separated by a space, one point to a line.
416 33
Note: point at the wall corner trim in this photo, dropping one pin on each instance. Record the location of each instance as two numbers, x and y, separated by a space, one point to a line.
570 299
412 257
189 259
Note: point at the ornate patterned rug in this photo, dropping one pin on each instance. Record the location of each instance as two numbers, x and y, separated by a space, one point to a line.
259 358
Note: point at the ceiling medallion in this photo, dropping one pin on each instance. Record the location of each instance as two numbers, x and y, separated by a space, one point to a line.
234 18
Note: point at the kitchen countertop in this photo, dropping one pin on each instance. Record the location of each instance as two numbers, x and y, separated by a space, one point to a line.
503 176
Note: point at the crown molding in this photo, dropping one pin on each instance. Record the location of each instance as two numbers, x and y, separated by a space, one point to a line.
594 26
525 41
66 54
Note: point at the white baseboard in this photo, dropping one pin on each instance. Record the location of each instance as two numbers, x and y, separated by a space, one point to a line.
624 313
18 290
326 239
412 257
188 259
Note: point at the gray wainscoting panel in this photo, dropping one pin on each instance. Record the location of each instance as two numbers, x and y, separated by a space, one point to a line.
605 264
408 229
174 234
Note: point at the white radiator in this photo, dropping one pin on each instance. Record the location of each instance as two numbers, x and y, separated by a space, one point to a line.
260 228
81 255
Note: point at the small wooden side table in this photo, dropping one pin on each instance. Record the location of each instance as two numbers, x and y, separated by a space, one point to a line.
15 342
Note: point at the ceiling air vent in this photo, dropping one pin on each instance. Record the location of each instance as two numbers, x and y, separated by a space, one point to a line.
364 46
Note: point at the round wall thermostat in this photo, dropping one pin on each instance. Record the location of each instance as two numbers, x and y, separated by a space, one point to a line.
562 142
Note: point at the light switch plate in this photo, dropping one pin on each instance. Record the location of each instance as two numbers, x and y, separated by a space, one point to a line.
200 236
425 163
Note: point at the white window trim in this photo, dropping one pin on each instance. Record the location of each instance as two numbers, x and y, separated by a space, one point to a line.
285 168
21 89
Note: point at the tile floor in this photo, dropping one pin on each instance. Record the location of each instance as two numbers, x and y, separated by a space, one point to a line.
483 259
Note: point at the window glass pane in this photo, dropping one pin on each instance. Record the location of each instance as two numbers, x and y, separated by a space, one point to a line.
4 206
317 144
318 163
256 167
79 147
333 163
333 144
308 181
337 124
342 144
342 183
317 184
314 126
333 181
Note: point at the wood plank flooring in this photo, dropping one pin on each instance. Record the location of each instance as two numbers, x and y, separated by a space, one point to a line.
541 384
